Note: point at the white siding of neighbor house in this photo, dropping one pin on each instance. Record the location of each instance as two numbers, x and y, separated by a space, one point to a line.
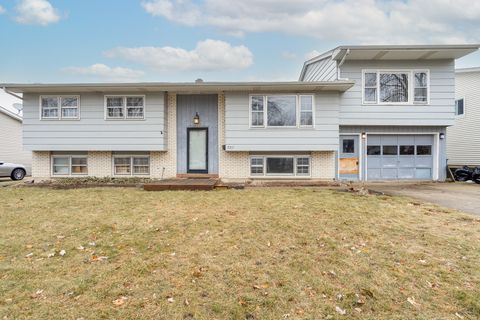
321 70
440 111
463 138
92 132
11 147
240 137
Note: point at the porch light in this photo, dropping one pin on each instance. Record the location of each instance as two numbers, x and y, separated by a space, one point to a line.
442 136
364 135
196 119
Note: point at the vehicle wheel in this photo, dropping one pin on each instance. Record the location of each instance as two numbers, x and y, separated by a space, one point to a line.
18 174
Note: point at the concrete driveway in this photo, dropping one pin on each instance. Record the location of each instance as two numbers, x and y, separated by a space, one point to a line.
461 196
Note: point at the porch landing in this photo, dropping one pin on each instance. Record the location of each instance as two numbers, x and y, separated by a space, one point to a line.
182 184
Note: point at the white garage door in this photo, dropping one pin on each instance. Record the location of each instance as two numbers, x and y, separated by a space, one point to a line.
399 157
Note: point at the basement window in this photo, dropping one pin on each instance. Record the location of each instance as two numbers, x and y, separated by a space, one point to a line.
280 166
131 165
67 165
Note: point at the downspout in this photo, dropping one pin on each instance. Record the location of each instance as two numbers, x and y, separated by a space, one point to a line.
340 64
12 94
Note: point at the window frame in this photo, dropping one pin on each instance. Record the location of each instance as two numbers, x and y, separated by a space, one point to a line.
283 175
70 171
59 116
124 106
411 87
265 111
456 110
131 157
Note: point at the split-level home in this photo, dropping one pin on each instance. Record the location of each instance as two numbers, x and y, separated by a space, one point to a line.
357 113
464 136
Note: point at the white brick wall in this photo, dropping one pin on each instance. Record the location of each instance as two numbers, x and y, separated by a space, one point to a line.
323 165
100 164
41 165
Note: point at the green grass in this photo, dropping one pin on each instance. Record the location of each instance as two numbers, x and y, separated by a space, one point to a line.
265 253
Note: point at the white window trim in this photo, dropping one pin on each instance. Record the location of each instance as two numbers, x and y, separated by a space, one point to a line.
464 107
295 174
131 174
59 108
265 111
124 97
70 173
411 87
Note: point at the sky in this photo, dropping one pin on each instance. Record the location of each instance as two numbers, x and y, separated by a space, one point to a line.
54 41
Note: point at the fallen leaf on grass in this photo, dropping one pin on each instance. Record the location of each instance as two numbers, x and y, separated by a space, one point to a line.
51 255
29 255
80 247
412 301
340 310
170 300
94 258
120 301
458 315
62 252
261 286
185 302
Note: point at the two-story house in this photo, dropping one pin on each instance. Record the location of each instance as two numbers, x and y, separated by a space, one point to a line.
358 112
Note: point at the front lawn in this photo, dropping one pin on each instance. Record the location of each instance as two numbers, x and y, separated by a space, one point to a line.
266 253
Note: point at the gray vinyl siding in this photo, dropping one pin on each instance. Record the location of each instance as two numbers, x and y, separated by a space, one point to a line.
240 137
321 70
463 138
11 148
442 161
207 107
92 132
440 111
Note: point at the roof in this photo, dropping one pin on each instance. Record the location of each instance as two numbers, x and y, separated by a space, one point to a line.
10 114
467 70
186 87
395 52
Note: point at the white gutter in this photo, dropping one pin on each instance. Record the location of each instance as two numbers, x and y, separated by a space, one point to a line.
340 64
12 94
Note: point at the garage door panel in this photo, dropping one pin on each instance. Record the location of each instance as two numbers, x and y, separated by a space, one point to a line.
406 173
389 173
409 163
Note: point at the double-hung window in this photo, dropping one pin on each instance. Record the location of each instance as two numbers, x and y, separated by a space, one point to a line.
395 87
60 107
67 165
131 165
280 111
125 107
280 166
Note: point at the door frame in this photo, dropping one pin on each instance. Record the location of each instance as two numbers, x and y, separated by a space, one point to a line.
436 146
188 149
360 152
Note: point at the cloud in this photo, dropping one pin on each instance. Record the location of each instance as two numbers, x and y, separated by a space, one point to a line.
105 72
39 12
208 55
2 10
353 21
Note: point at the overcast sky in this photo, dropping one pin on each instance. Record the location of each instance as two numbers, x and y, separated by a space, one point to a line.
223 40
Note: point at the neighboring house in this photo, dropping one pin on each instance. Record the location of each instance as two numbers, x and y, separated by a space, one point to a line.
11 145
464 137
359 112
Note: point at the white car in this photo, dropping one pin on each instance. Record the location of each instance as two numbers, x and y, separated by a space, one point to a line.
12 170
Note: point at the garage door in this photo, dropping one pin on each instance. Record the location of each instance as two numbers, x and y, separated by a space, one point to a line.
399 157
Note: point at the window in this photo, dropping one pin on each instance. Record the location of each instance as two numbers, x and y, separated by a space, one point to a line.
407 150
390 150
256 166
303 166
60 107
421 87
131 165
424 150
125 107
370 87
348 146
460 107
281 111
257 111
306 111
395 87
280 166
373 150
69 165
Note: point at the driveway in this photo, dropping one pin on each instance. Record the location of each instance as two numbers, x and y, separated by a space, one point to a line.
461 196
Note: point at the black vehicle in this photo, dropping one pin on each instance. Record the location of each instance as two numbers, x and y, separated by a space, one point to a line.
466 173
